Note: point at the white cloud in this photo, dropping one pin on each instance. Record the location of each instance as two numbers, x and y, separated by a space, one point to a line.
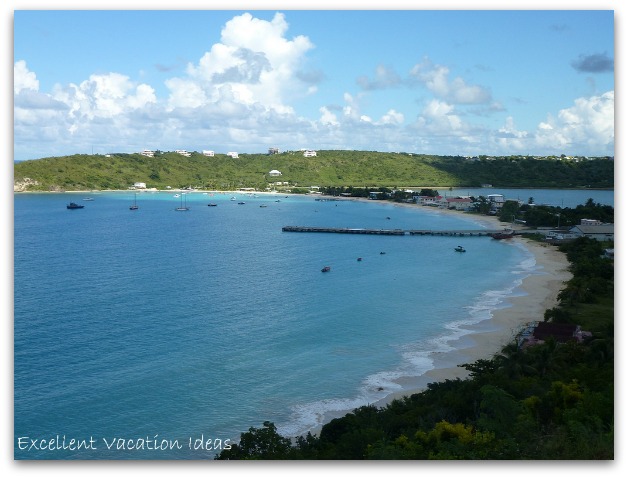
392 117
327 117
23 79
254 62
241 93
589 125
436 79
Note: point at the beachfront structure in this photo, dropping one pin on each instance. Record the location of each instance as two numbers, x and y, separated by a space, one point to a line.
208 153
183 152
308 153
139 185
274 173
148 153
459 204
599 232
496 200
427 200
233 154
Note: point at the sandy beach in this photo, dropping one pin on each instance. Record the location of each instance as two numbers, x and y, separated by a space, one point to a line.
539 292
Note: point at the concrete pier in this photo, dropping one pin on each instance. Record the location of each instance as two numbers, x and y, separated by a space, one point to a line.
393 232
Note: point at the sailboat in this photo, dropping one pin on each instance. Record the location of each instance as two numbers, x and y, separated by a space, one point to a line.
134 206
183 207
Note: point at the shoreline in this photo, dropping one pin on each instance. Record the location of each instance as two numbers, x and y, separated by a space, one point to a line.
527 303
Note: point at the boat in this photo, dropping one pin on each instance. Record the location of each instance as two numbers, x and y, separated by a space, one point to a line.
505 234
359 259
73 205
241 202
177 195
88 199
326 269
183 207
134 206
263 205
212 204
460 249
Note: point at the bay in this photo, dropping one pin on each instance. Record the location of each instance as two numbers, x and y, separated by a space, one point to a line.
159 326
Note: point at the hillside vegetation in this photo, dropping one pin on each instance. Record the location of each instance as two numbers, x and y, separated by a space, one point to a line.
328 168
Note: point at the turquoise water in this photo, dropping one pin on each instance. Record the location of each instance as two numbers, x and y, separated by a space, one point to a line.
161 327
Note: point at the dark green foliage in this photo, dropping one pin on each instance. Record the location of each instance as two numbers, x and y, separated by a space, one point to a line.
359 169
553 401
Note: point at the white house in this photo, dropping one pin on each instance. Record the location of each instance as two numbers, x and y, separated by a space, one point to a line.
148 153
139 185
308 153
183 152
233 154
208 153
274 173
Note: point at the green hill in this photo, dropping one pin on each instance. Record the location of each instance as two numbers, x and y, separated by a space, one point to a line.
328 168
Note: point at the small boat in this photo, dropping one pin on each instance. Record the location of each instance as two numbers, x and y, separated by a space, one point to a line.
359 259
73 205
134 206
326 269
241 202
382 253
263 205
505 234
233 198
177 195
460 249
212 204
88 199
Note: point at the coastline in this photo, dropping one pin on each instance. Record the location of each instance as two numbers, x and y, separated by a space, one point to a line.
537 292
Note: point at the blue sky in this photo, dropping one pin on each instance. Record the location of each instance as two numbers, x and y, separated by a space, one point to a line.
438 82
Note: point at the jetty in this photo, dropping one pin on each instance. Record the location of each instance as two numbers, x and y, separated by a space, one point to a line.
394 232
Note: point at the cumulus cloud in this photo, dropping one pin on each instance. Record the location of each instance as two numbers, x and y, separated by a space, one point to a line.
588 125
254 61
436 79
104 96
240 94
596 63
23 78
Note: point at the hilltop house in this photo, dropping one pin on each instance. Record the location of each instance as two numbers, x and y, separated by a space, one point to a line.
208 153
274 173
233 154
309 153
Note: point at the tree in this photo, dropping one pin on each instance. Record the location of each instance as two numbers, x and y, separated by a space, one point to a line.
259 444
